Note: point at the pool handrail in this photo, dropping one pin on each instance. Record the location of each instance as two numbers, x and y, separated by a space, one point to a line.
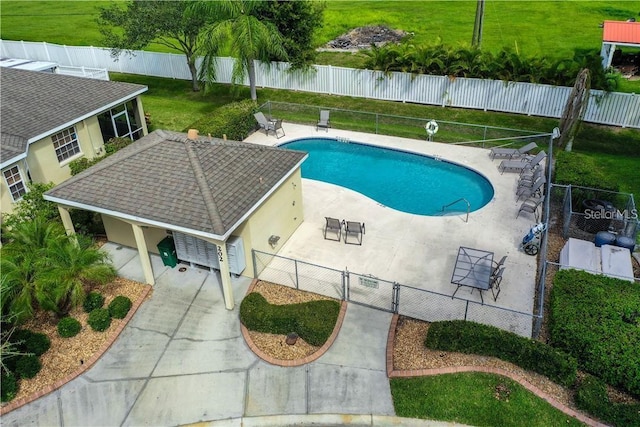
460 200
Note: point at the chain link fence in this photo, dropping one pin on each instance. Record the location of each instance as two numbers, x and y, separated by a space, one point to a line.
406 127
386 295
587 211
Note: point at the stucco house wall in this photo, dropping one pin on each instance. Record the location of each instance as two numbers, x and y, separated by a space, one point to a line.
280 215
43 162
120 232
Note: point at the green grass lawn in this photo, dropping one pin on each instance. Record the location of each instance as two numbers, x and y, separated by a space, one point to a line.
476 399
173 106
550 28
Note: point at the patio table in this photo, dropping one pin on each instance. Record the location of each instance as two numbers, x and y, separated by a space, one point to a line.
473 269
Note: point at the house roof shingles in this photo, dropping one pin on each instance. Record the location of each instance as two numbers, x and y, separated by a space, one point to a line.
35 103
156 179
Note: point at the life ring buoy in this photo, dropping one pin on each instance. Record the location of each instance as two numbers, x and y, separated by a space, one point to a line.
431 127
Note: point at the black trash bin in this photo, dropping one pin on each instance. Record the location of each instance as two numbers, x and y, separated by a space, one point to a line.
597 215
167 250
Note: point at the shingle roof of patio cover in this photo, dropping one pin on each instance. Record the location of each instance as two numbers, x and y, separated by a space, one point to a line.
204 185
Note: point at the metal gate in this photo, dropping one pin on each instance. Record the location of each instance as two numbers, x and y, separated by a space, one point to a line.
371 291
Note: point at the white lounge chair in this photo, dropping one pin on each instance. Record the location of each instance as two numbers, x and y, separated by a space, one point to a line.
510 153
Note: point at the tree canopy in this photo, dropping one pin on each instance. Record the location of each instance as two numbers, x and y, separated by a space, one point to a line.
297 21
249 39
140 23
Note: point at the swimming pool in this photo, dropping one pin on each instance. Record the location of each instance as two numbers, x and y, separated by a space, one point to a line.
403 181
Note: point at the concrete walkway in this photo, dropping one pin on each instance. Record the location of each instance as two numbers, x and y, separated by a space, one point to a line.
182 359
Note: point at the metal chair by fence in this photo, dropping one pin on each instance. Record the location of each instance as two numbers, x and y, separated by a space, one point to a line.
530 205
519 165
496 280
269 125
324 121
354 229
333 225
510 153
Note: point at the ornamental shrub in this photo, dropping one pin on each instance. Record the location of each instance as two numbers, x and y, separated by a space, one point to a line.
8 386
68 327
92 301
78 165
593 318
119 307
313 321
30 342
474 338
28 366
37 344
234 120
99 319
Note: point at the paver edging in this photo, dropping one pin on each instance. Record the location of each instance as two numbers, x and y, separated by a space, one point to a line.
296 362
88 364
397 373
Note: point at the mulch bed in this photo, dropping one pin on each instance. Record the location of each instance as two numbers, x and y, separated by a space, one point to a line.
67 355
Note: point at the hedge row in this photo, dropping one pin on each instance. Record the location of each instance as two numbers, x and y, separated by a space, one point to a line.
313 321
234 120
474 338
591 397
596 319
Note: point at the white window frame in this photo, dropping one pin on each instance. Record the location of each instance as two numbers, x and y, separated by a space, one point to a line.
69 146
18 181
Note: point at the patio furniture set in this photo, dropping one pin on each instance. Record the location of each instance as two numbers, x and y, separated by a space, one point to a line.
352 229
476 269
270 124
531 181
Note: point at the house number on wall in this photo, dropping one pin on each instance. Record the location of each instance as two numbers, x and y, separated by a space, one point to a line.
220 253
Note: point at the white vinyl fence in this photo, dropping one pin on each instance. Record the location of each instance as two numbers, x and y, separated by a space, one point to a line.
618 109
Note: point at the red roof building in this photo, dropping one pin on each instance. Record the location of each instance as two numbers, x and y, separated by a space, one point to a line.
622 33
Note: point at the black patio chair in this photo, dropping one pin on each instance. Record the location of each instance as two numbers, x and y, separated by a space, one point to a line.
496 279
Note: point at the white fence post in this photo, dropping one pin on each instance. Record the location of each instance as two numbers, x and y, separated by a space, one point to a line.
46 50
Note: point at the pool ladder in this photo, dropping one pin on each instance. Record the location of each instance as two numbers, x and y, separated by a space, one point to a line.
461 199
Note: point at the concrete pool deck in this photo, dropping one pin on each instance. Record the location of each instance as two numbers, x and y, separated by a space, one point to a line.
416 250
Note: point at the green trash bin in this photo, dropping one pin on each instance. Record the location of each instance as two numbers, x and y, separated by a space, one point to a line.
168 252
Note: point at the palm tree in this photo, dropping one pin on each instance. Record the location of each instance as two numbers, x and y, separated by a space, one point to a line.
249 38
73 266
23 258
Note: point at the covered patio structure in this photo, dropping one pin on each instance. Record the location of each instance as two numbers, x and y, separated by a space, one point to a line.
205 190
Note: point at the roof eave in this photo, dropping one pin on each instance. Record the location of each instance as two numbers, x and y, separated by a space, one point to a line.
13 160
137 219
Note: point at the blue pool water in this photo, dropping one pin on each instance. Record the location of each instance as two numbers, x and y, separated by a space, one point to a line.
403 181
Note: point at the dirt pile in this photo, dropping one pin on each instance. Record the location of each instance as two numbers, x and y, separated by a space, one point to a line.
364 37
